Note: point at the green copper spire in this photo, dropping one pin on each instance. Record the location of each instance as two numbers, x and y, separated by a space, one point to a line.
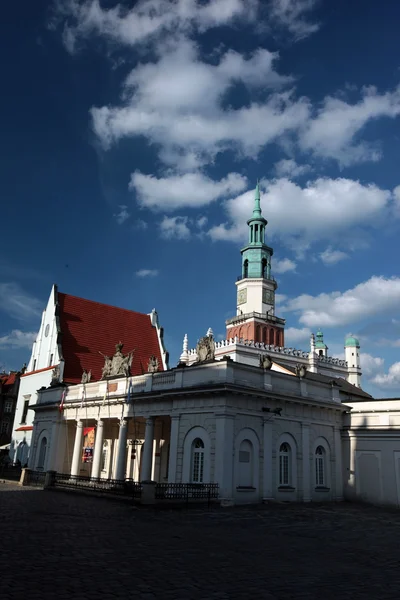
257 206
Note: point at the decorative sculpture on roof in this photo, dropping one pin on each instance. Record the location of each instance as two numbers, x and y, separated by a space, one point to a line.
301 370
265 362
205 348
119 364
55 376
152 366
86 376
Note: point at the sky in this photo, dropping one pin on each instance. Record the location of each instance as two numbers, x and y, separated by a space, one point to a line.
132 136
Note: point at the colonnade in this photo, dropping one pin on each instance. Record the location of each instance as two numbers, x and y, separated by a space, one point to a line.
121 458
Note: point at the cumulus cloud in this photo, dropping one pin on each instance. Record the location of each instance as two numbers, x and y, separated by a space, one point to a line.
331 132
375 296
331 256
371 366
293 15
284 265
17 303
17 339
147 273
147 21
388 380
295 336
323 209
190 189
289 168
122 215
175 227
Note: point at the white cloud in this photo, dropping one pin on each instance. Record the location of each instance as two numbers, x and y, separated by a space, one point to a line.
140 224
388 380
324 209
123 214
291 14
17 303
331 257
201 222
175 227
148 20
284 265
147 273
18 339
289 168
190 189
331 132
375 296
295 336
371 366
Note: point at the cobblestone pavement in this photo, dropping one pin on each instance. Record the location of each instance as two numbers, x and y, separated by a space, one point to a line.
58 545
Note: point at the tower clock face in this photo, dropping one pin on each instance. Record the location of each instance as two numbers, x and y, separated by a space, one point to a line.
268 297
242 296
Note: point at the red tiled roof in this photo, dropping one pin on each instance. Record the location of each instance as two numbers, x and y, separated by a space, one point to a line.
8 379
89 328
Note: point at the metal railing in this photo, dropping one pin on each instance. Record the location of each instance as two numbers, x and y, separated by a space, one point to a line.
187 491
119 487
35 478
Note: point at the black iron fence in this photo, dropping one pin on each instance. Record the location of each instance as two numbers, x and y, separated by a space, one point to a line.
186 492
118 487
35 478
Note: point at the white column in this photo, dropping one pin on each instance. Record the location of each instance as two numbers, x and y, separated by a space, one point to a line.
98 449
267 469
77 455
305 441
147 460
224 456
120 470
52 456
157 455
338 465
173 448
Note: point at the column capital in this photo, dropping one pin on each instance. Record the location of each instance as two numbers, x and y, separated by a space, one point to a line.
79 422
123 422
150 420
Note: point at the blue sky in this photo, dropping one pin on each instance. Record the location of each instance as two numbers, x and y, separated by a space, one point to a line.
132 138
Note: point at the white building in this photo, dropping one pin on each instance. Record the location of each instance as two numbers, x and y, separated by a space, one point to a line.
261 420
258 433
74 336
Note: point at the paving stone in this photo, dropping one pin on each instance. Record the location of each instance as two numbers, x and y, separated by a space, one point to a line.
60 546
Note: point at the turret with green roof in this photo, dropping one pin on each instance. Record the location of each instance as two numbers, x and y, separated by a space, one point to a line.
256 256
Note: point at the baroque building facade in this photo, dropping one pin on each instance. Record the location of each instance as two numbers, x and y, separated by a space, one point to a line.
262 420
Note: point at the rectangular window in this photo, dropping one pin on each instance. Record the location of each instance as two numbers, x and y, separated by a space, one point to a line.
244 456
34 365
4 426
284 470
51 360
25 411
198 466
8 407
319 471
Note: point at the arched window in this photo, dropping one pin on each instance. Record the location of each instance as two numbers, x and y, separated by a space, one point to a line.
284 464
320 479
245 474
256 233
264 267
245 269
197 461
42 453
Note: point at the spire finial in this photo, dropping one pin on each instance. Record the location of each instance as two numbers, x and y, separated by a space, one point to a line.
185 354
257 206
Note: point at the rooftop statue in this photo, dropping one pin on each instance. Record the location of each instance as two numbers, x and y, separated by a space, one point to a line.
205 348
119 364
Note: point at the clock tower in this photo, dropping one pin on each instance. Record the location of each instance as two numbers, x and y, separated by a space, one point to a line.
255 316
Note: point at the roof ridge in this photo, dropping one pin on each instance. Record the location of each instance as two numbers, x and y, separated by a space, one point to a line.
103 304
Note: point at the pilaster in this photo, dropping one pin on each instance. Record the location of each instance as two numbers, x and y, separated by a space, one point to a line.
224 456
267 465
305 444
173 448
77 454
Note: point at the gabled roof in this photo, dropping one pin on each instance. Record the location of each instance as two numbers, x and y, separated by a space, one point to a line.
89 329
